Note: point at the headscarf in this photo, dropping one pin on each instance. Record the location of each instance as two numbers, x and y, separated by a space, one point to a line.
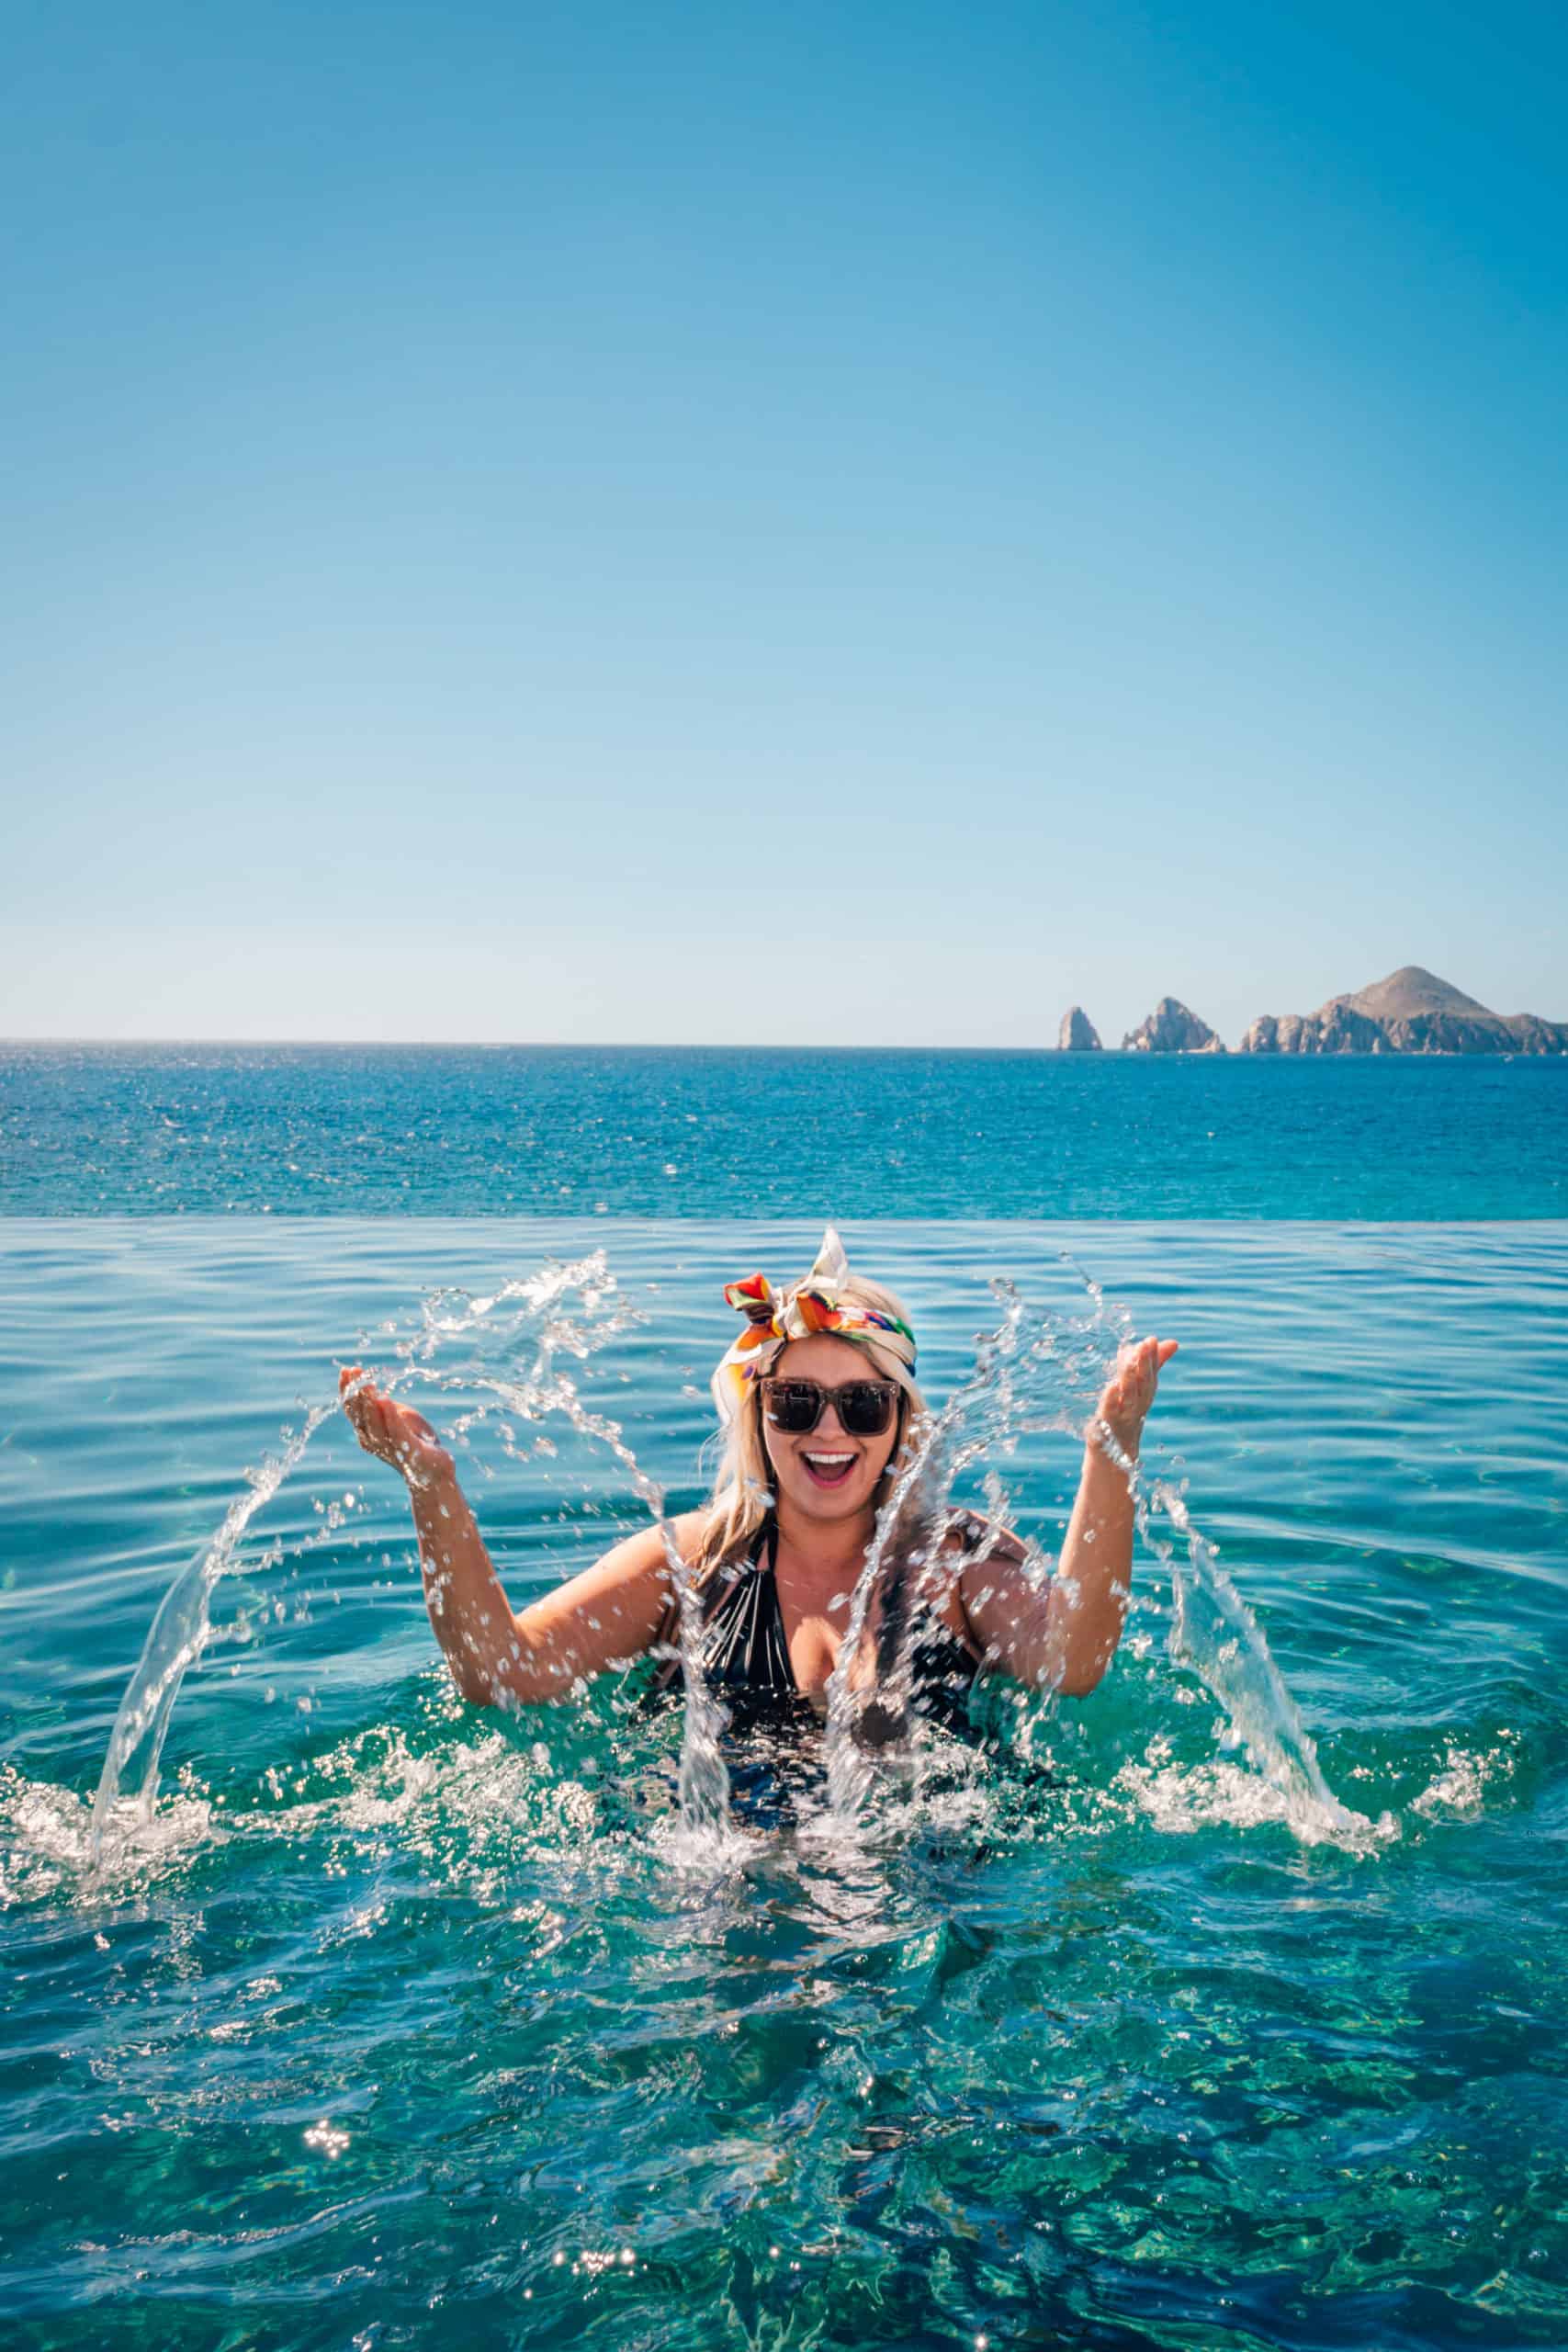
816 1304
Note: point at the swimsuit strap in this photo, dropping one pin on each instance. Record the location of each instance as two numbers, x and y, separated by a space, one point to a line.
742 1624
746 1641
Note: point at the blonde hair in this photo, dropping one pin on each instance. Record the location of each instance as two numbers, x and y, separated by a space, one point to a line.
742 1488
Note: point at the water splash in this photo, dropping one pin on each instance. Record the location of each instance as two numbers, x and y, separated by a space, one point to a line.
1036 1372
526 1314
1039 1371
179 1634
1214 1633
704 1778
1028 1379
543 1392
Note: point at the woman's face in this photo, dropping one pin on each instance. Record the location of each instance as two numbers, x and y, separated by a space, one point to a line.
827 1474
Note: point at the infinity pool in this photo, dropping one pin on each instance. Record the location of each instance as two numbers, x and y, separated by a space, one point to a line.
400 2023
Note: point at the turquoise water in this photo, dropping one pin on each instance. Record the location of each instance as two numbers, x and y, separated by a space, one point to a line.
398 2023
629 1131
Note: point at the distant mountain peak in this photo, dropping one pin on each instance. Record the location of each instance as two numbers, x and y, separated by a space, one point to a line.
1411 991
1412 1012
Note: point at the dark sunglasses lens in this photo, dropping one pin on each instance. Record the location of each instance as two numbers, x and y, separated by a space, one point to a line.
793 1406
864 1408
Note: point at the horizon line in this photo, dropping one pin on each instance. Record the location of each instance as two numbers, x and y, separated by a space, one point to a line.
569 1045
712 1046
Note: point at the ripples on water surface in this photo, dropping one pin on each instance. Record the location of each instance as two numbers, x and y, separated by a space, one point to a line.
404 2024
642 1131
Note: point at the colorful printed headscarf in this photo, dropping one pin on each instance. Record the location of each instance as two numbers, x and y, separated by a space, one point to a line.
816 1304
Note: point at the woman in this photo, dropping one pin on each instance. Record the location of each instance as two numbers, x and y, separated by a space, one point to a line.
819 1406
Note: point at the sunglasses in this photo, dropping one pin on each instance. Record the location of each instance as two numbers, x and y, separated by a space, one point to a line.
864 1406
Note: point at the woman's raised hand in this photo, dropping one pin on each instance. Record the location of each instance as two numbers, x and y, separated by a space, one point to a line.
1125 1399
393 1433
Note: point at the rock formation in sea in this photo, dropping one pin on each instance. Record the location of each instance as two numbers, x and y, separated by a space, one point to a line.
1078 1034
1410 1013
1172 1029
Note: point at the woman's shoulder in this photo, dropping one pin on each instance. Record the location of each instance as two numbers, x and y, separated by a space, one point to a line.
969 1536
648 1552
692 1536
973 1545
690 1532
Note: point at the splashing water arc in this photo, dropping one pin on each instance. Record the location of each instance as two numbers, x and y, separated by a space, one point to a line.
526 1316
1034 1373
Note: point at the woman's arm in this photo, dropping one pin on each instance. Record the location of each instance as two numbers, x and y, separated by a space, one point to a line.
1063 1638
612 1611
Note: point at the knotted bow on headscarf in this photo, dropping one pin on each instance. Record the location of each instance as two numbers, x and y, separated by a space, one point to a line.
816 1304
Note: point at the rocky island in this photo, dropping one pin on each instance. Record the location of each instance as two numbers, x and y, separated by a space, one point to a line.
1172 1028
1410 1013
1078 1034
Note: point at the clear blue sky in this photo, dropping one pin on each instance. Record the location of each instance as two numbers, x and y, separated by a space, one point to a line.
860 524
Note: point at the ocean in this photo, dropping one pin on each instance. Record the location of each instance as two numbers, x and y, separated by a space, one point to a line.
632 1131
1221 2008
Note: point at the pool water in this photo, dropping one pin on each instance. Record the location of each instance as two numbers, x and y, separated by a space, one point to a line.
398 2023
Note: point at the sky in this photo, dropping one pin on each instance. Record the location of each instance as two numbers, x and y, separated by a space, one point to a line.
858 524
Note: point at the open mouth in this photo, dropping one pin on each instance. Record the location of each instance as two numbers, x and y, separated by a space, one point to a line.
829 1469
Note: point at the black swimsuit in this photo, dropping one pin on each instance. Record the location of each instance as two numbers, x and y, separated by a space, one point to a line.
745 1653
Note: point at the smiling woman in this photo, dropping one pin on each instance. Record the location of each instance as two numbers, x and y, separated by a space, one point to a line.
821 1417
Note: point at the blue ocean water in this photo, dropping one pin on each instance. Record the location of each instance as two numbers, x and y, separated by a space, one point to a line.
399 2023
629 1131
